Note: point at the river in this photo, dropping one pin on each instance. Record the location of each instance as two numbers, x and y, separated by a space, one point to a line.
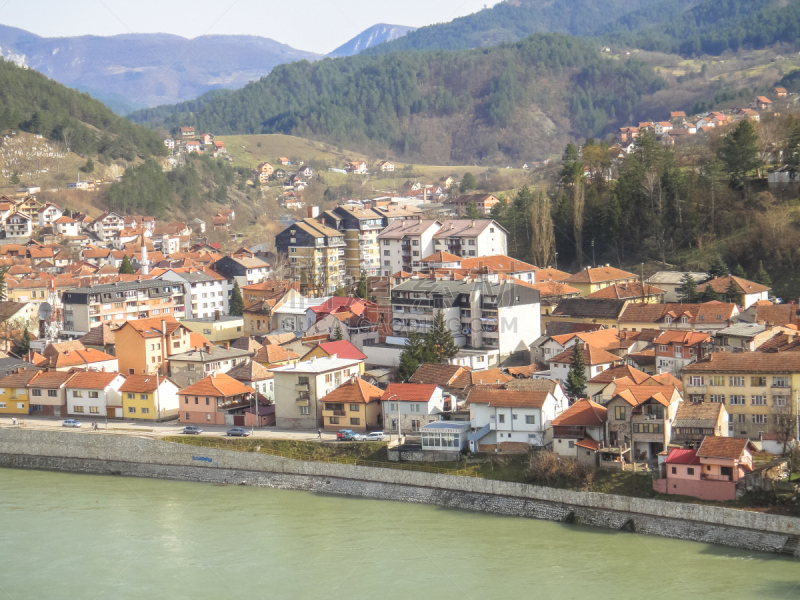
82 536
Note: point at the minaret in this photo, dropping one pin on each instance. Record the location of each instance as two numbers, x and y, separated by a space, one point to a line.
145 265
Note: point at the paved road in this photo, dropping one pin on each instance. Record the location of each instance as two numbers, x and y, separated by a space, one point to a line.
159 429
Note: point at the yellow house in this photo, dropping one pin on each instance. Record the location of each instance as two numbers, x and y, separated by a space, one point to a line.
149 398
354 405
592 279
634 292
14 393
224 328
756 388
338 349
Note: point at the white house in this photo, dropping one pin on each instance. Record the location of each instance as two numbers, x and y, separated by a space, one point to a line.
510 419
95 394
595 359
204 294
471 238
411 406
404 243
579 431
66 226
19 226
48 214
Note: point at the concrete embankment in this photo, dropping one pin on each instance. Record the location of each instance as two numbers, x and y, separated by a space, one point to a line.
138 457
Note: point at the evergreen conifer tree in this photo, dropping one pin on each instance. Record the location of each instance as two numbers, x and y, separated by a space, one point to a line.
24 345
708 295
734 293
441 339
361 289
236 308
739 272
472 211
762 276
718 268
576 378
688 290
126 268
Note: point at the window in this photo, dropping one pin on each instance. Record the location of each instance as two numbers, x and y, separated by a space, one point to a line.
334 420
36 392
131 396
176 345
619 413
690 470
145 411
674 470
530 419
501 418
662 348
52 393
758 400
760 419
737 381
758 382
354 408
718 398
717 380
737 399
355 421
77 394
780 400
782 382
145 396
304 410
77 409
94 410
187 416
696 380
94 395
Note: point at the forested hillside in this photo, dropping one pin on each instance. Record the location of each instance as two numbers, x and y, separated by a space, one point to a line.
31 102
513 101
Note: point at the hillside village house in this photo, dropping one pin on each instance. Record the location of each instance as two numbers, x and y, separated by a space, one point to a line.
579 431
144 346
757 389
14 392
353 405
483 202
676 349
592 279
696 420
19 226
95 395
149 397
510 420
407 407
751 291
215 400
300 387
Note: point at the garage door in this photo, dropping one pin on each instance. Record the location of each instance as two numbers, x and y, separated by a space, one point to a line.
238 420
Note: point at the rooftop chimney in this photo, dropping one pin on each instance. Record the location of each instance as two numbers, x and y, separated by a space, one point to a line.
163 327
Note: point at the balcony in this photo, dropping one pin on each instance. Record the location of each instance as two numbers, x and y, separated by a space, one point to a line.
333 413
301 387
301 401
712 477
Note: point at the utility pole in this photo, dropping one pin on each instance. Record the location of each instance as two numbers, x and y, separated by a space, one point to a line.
594 262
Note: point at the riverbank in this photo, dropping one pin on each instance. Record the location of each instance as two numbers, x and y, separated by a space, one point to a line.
122 455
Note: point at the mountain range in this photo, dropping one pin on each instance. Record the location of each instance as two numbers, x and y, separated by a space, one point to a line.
371 37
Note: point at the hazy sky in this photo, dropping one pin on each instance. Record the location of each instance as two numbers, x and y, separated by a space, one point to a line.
313 25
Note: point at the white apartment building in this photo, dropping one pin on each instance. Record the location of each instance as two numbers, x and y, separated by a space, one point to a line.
471 238
203 295
403 245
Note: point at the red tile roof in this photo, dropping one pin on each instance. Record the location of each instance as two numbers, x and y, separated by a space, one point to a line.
91 380
507 398
271 354
409 392
747 362
627 290
342 349
592 355
584 413
613 373
354 392
441 257
599 275
722 447
442 375
219 385
498 262
141 383
682 456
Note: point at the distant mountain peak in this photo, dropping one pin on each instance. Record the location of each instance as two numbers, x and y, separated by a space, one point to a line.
377 34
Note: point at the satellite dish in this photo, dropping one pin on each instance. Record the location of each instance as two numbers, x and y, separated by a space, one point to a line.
45 311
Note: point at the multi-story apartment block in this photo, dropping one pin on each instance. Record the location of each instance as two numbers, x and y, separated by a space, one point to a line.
28 207
19 226
317 255
360 229
144 346
300 387
503 316
404 243
205 292
48 214
116 303
468 238
759 389
108 224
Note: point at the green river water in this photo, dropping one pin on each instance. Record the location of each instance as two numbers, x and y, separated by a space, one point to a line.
81 536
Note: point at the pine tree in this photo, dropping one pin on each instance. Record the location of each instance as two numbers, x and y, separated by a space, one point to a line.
236 308
708 295
734 293
718 268
468 182
762 276
362 290
441 339
24 345
472 211
126 268
576 379
739 153
739 272
337 335
340 292
89 166
687 293
408 365
14 178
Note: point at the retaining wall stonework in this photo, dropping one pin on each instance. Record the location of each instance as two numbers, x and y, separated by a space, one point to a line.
142 457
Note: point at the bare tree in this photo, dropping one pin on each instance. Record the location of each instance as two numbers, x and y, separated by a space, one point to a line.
543 237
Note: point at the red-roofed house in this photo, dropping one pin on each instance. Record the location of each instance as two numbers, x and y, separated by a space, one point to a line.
215 400
580 430
595 359
676 349
354 405
340 348
410 405
95 395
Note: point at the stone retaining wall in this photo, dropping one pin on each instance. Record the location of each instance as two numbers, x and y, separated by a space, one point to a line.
122 455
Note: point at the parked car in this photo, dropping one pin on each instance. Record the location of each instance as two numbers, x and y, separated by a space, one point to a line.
375 436
192 430
341 432
349 436
238 432
71 423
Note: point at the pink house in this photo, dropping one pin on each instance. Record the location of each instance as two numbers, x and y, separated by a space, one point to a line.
711 472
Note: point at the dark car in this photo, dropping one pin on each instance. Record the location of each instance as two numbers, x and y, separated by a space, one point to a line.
238 432
192 430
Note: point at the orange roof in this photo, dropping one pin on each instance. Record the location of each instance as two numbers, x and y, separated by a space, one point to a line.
623 371
723 447
592 355
19 379
497 262
554 288
220 385
443 375
687 338
720 285
197 340
50 379
74 358
583 413
271 354
342 349
639 394
507 398
141 383
91 380
626 290
150 328
354 392
409 392
441 257
549 274
599 275
763 99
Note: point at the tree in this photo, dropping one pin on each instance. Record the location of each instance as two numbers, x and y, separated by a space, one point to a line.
572 176
337 335
739 153
126 268
24 345
236 308
543 240
441 340
468 182
362 290
413 355
14 178
739 272
688 291
718 268
340 291
472 211
708 294
576 378
89 166
762 276
733 293
3 282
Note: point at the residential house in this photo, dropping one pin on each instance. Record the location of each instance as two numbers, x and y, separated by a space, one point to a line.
19 226
216 328
757 388
145 346
594 311
245 271
260 317
403 243
510 420
14 392
712 472
66 226
452 379
579 431
763 103
272 355
341 349
95 394
406 407
354 405
502 264
780 92
386 166
205 292
600 386
255 375
358 167
676 349
696 420
672 281
77 357
189 367
48 214
709 316
592 279
216 399
187 133
483 202
750 291
595 359
748 337
635 292
264 171
471 238
149 398
300 387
